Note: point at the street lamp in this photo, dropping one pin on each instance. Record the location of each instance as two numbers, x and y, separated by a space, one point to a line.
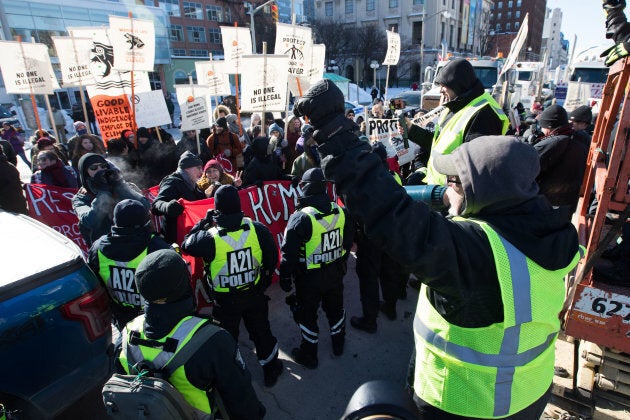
251 11
446 15
374 65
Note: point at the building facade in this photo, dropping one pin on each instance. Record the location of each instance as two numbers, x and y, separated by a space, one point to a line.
505 21
435 27
553 40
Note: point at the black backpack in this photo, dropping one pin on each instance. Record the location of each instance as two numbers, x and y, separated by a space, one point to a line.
149 395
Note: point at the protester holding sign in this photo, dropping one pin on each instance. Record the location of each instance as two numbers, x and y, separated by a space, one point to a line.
103 187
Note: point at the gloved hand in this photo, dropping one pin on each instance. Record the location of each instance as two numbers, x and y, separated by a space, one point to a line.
265 278
98 182
295 182
210 214
113 176
616 52
286 283
174 209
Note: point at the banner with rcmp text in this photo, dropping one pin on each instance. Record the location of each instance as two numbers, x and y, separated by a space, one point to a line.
133 41
264 86
74 60
26 68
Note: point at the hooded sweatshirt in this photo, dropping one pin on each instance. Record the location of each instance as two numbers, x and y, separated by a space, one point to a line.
453 258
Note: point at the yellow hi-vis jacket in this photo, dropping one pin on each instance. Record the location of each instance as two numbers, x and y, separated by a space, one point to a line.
326 242
498 370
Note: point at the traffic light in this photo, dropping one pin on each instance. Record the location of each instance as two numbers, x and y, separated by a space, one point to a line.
274 12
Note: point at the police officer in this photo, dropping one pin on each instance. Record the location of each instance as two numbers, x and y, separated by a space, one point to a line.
163 280
115 257
314 253
374 264
469 112
240 256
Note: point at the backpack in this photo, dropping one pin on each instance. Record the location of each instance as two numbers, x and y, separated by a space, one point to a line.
149 395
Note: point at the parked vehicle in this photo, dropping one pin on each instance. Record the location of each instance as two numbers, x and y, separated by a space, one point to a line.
55 328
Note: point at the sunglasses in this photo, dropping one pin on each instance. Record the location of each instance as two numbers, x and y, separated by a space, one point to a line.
98 166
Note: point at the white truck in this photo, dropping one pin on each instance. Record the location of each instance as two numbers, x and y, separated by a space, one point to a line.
527 79
486 69
587 77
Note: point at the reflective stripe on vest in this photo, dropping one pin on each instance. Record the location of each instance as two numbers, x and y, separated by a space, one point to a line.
498 370
119 278
157 358
326 242
237 258
396 177
450 136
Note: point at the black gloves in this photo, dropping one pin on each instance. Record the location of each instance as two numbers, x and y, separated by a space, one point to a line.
210 215
174 209
616 52
98 182
286 283
295 181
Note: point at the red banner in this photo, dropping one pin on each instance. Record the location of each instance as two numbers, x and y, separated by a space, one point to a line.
53 207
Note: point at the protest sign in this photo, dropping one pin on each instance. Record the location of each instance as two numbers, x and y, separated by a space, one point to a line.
386 132
264 85
151 109
74 60
26 68
133 41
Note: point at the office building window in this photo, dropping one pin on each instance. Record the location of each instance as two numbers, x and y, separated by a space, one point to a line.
349 7
179 52
517 14
518 3
193 10
328 7
170 7
510 4
369 5
499 16
498 28
393 4
214 13
415 2
517 25
177 33
198 53
196 34
509 15
214 35
507 26
500 5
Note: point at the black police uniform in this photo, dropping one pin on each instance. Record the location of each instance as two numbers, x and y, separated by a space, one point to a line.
235 303
314 285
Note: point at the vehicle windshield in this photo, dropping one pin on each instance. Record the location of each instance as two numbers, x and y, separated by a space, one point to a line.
5 113
487 76
410 99
525 75
589 75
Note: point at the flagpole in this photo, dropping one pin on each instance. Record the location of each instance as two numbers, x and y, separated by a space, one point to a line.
33 103
134 128
387 77
238 108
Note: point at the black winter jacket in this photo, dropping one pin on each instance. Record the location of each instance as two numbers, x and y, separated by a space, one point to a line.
174 187
453 258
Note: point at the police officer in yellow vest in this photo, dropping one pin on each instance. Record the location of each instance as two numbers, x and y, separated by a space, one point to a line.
240 257
314 251
469 112
487 317
114 258
168 324
375 266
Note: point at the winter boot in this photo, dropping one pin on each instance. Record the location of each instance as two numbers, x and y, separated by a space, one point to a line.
338 341
306 355
389 309
271 371
363 324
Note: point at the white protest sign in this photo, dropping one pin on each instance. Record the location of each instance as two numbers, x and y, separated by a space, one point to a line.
74 60
134 43
393 49
26 68
213 75
516 46
237 42
151 110
295 42
298 86
264 86
194 115
578 94
189 93
108 80
386 132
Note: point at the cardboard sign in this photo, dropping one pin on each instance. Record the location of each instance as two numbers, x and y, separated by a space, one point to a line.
194 114
134 43
74 60
26 68
151 110
113 114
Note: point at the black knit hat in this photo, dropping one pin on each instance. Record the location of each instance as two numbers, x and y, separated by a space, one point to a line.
130 213
189 160
227 200
553 117
222 122
458 75
163 274
320 103
313 182
143 132
582 114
